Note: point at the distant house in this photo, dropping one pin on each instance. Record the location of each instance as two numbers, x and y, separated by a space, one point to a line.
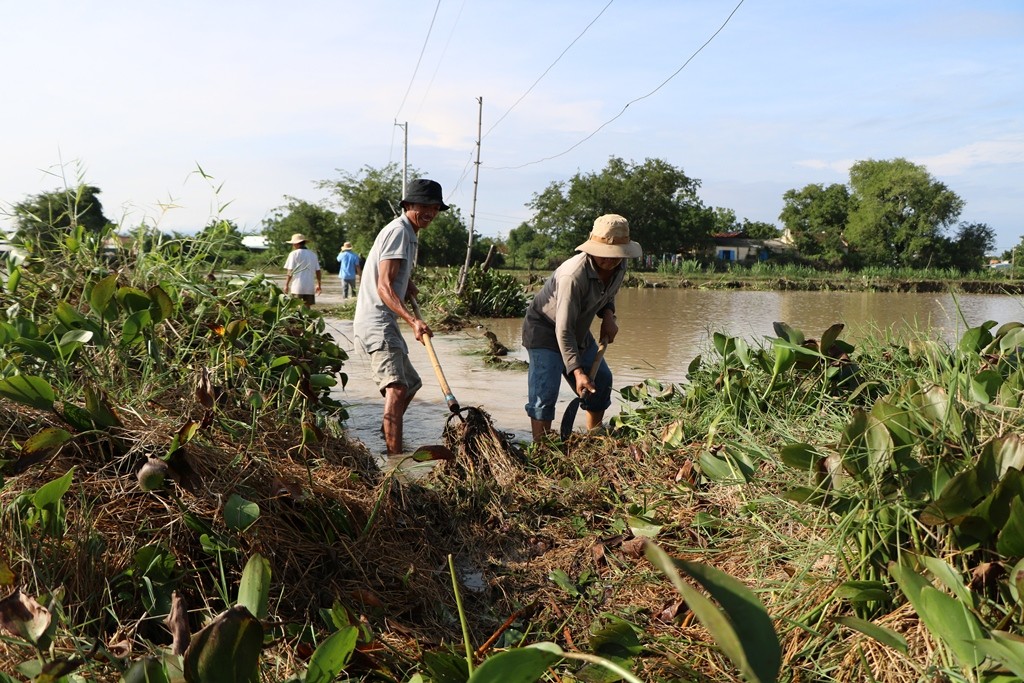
255 242
736 247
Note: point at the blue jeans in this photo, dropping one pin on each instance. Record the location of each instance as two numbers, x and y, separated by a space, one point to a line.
348 288
546 372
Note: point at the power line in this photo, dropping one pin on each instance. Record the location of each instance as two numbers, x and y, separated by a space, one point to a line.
419 59
626 106
557 59
441 58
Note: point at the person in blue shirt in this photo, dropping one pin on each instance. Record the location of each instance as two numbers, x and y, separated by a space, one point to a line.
350 267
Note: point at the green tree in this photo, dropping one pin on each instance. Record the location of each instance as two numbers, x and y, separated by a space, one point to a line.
319 223
528 247
899 213
44 218
724 220
759 230
367 201
223 242
659 201
969 249
816 218
443 242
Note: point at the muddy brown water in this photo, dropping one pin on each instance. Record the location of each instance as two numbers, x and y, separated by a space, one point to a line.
661 331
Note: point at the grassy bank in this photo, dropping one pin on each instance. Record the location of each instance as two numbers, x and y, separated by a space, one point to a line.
177 488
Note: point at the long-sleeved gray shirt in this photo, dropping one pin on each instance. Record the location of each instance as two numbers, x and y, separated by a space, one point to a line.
561 313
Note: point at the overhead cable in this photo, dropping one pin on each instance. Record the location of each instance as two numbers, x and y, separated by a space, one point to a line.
419 59
551 66
626 106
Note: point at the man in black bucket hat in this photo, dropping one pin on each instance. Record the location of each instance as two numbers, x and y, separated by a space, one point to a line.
387 283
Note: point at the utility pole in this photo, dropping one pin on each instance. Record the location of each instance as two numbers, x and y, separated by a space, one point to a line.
405 156
472 214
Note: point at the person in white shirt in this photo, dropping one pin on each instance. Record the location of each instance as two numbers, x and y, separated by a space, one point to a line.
303 268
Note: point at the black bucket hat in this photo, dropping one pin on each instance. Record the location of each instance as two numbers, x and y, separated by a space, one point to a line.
424 191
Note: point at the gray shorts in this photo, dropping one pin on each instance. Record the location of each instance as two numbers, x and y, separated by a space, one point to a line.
390 365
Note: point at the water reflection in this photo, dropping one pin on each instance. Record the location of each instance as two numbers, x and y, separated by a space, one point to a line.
661 331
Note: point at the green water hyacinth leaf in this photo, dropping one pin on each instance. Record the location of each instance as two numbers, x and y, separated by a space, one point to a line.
866 447
562 580
1011 539
28 390
801 456
1010 340
322 381
739 623
227 650
161 307
862 591
949 577
234 329
830 336
332 656
643 526
50 493
254 587
69 316
445 667
239 513
976 338
947 618
984 387
133 326
44 440
37 348
788 333
148 670
717 468
133 300
521 665
1006 648
881 634
618 643
101 294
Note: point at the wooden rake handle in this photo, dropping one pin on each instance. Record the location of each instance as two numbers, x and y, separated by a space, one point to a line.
449 397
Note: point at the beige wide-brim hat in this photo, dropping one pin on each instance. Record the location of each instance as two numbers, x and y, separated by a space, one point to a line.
297 238
610 239
347 246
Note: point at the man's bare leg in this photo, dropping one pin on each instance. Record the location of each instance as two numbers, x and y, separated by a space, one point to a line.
396 401
594 419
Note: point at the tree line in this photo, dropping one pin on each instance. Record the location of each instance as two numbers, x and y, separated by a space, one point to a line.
891 213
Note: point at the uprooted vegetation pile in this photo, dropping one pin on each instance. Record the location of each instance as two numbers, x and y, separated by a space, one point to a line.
165 434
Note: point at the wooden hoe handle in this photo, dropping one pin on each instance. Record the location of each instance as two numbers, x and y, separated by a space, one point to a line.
449 397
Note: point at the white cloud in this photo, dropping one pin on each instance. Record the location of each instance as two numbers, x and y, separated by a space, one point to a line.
1009 150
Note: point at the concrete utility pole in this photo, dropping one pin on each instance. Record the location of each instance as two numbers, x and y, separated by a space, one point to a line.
472 214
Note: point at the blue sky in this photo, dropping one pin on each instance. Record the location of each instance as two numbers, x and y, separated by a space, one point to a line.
268 99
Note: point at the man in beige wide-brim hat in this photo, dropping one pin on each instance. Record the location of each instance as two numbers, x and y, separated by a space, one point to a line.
556 330
303 270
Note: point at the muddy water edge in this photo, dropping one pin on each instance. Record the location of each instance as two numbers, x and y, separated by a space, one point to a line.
661 331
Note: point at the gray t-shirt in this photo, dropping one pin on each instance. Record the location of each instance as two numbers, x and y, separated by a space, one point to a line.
375 325
561 313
